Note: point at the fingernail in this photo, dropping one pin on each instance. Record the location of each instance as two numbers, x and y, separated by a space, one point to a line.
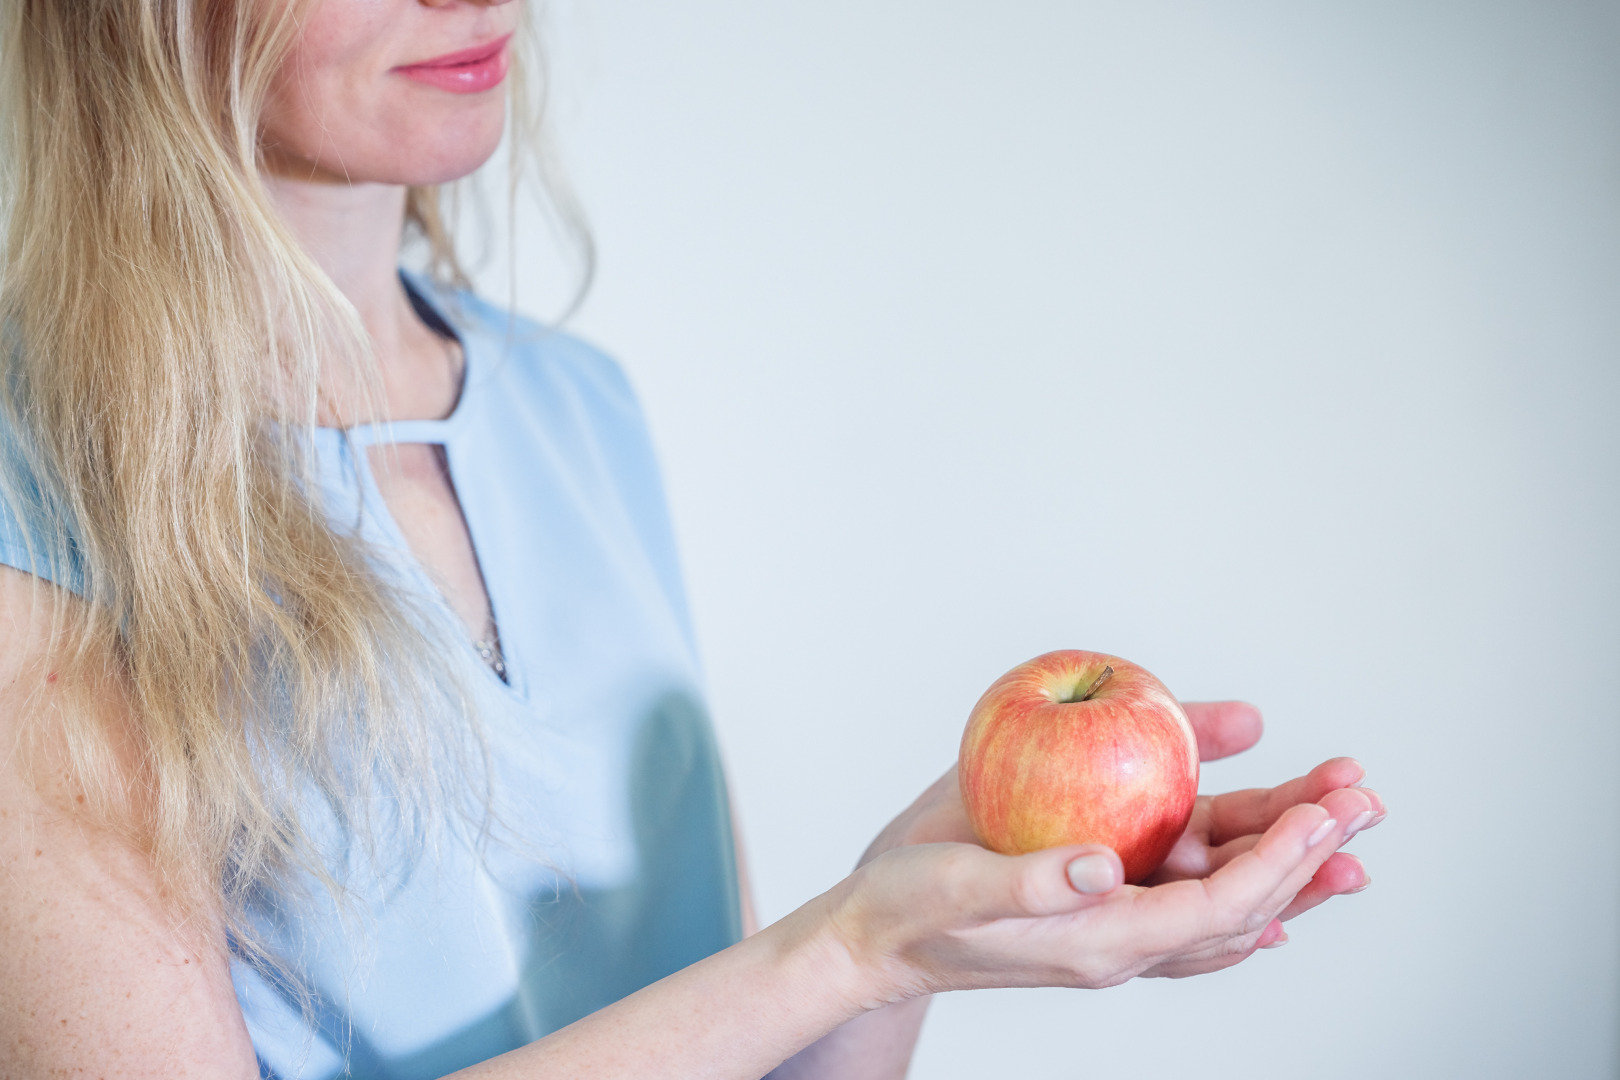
1359 888
1091 874
1279 943
1321 832
1361 821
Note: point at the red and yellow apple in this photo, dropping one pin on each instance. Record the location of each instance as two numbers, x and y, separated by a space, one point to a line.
1080 748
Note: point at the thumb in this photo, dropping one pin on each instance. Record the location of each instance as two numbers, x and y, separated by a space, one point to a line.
1052 882
1095 870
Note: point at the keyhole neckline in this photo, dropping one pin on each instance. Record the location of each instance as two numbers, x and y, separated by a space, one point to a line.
443 429
444 432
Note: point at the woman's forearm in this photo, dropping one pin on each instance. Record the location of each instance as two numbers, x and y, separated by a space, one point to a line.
733 1016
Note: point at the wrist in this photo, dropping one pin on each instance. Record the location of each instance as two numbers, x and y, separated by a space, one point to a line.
863 945
829 944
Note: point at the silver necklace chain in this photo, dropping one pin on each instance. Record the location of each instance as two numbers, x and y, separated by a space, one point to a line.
489 651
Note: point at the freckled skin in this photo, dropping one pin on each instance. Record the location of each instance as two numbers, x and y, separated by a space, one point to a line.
97 975
1120 768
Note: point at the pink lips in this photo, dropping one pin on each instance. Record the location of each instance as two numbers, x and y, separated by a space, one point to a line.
468 71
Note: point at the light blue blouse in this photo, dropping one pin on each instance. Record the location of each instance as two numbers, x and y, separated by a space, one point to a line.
602 745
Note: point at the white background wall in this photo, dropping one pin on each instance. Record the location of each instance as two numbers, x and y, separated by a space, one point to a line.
1273 345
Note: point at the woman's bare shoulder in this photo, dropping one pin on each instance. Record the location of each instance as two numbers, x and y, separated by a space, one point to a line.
94 969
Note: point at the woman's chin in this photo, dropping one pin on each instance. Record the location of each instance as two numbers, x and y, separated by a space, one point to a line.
422 162
417 155
444 169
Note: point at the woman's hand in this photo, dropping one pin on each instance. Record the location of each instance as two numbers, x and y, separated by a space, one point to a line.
1222 826
951 916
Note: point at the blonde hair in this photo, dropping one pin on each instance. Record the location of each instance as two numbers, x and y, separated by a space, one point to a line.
165 342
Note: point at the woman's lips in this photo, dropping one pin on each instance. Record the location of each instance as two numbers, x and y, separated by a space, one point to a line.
469 71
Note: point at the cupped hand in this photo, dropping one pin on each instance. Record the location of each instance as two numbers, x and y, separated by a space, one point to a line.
950 916
1222 826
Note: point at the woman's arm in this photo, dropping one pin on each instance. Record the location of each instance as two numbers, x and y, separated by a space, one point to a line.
930 918
96 979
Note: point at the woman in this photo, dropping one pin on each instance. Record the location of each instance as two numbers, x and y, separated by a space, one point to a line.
355 707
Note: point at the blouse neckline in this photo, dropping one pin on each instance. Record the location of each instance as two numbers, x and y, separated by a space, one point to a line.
427 302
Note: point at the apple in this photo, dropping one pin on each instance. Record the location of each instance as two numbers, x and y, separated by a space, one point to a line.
1080 748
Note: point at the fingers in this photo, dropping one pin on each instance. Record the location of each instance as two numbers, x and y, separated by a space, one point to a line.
1238 813
1254 887
1337 870
1340 875
1348 809
1193 858
1223 728
1336 874
1241 891
1218 857
1216 920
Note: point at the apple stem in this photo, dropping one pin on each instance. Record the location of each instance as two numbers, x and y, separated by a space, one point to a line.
1096 684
